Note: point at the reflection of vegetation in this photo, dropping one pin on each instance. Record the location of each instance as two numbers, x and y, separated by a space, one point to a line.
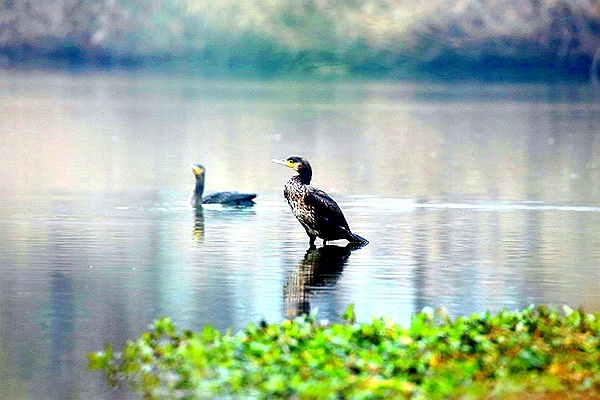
505 355
364 36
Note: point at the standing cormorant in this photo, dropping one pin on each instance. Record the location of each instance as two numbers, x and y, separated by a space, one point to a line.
318 213
225 198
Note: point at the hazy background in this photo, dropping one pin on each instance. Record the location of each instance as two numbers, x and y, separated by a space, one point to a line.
455 38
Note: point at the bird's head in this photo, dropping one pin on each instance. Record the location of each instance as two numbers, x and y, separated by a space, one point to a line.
198 169
298 164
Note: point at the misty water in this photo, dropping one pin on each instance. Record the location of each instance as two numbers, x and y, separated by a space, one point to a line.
474 197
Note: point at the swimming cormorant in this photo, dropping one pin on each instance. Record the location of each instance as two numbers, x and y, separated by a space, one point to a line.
318 213
225 198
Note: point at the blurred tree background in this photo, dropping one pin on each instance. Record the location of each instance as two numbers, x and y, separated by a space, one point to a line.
391 38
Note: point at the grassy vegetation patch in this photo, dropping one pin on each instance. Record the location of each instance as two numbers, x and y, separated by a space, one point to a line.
538 351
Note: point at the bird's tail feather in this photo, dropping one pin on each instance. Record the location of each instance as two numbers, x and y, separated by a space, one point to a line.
358 239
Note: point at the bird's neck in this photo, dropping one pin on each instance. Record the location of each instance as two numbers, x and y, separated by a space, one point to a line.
304 176
199 189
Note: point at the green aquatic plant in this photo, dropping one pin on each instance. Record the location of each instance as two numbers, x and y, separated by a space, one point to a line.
536 351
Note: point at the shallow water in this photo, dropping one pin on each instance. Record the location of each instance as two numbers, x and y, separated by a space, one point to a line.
473 197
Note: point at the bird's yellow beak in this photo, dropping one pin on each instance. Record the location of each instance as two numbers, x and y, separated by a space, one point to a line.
197 170
287 163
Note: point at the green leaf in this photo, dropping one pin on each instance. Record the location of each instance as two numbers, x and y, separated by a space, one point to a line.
98 360
349 314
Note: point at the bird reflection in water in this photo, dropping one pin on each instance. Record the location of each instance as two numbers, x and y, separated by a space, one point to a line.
198 232
320 269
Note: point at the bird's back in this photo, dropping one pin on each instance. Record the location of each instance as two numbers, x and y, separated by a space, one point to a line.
229 198
315 210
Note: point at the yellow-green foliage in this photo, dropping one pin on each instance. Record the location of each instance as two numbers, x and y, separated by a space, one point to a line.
485 355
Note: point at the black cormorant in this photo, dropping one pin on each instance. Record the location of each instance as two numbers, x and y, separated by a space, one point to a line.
318 213
225 198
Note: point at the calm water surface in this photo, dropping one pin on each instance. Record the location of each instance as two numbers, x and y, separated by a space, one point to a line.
474 197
